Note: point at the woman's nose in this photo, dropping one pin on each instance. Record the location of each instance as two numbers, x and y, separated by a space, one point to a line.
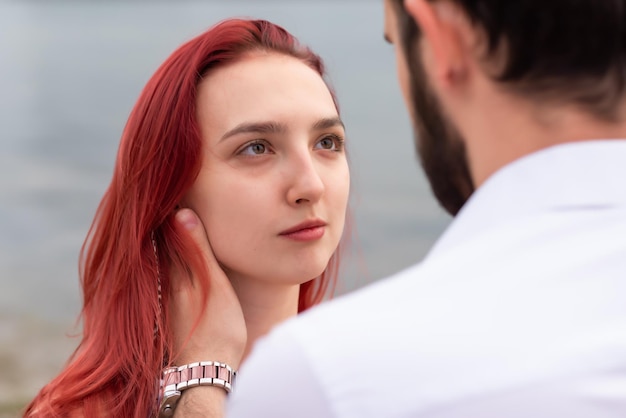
305 182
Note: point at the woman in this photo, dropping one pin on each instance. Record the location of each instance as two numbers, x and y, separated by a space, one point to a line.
238 135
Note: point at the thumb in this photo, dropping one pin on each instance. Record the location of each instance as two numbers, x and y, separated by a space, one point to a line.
192 224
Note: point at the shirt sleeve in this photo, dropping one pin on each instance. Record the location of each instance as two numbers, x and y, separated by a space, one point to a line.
278 380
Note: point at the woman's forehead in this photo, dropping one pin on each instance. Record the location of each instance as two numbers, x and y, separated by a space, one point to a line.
267 87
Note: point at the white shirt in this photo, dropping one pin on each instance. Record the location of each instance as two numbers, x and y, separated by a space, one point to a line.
518 311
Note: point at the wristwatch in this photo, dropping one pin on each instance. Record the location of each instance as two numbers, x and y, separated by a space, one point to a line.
204 373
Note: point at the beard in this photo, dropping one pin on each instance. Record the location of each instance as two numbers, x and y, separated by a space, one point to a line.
439 145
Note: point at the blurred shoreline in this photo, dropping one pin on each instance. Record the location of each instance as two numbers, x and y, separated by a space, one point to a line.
32 352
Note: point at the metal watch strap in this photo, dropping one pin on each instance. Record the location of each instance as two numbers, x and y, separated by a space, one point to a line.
203 373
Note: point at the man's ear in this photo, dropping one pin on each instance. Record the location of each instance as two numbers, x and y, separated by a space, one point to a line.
442 31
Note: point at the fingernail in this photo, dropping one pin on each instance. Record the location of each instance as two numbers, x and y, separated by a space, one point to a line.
187 218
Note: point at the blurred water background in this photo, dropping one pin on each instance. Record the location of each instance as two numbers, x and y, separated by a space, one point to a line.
70 71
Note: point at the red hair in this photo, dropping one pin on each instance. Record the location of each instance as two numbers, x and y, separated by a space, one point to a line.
116 367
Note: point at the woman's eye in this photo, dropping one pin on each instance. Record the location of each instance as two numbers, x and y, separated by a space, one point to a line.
255 148
331 143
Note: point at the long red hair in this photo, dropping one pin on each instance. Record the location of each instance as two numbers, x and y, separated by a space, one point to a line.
116 367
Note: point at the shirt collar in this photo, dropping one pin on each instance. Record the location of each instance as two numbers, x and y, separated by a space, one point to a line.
588 174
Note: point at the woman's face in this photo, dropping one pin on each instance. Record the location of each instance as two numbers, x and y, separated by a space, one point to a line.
273 189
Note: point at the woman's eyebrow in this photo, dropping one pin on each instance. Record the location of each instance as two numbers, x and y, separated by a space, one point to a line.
268 127
327 123
271 127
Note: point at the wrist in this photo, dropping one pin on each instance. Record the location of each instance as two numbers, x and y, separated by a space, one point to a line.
195 351
233 360
176 380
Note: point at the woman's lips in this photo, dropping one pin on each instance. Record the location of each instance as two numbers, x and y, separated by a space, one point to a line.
307 234
306 231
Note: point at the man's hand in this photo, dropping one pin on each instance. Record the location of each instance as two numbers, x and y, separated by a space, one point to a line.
221 332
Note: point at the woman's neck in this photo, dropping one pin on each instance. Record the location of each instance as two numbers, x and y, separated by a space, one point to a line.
264 305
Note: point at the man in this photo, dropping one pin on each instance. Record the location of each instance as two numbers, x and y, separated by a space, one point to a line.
519 310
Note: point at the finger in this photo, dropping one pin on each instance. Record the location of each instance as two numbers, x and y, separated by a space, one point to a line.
188 219
189 226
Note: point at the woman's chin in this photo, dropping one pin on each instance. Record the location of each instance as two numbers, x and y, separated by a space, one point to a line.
313 272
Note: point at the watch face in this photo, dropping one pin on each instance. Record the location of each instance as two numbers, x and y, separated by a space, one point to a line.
168 404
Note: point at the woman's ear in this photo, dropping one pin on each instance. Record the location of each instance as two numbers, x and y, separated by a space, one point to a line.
443 28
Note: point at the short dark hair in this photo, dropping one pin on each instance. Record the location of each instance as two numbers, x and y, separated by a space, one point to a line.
565 50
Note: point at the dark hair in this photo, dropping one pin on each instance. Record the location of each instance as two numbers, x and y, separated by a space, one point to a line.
571 51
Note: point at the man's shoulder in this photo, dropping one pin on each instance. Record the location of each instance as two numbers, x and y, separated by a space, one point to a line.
363 317
358 304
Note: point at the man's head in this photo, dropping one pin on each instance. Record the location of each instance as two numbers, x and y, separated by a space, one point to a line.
556 52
